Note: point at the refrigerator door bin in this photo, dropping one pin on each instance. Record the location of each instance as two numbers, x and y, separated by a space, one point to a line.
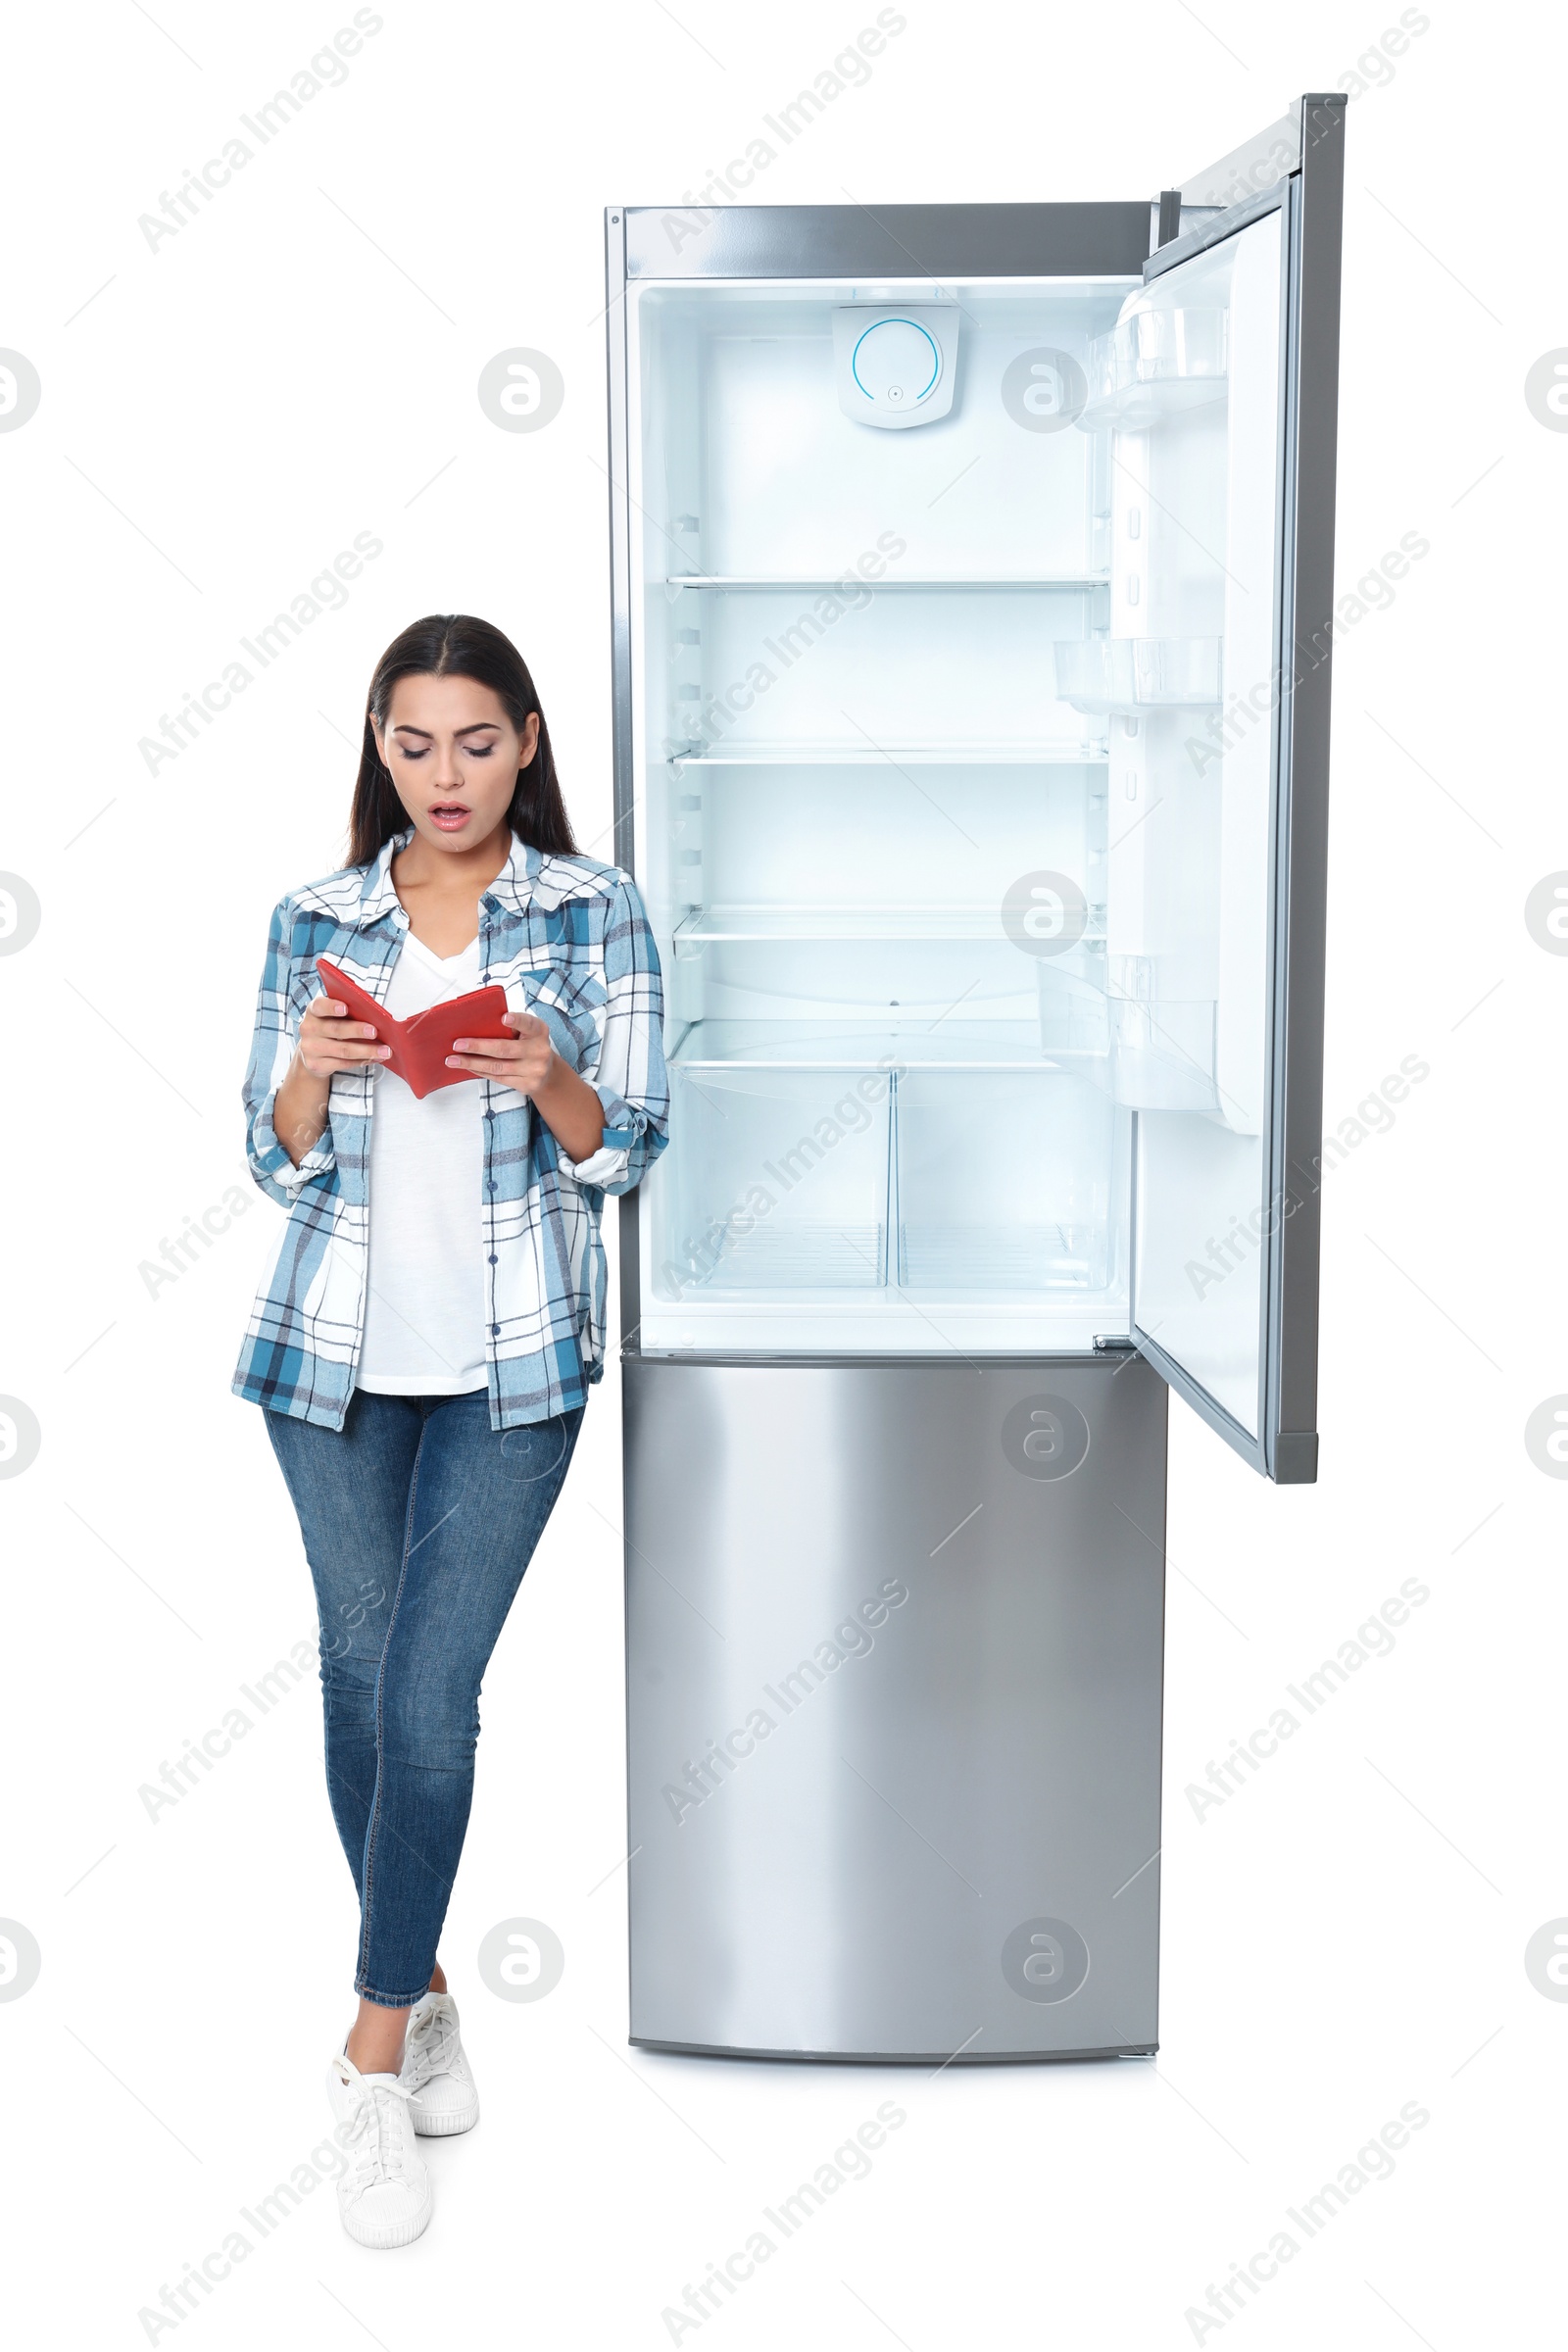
1102 674
1074 1016
1163 1053
1155 364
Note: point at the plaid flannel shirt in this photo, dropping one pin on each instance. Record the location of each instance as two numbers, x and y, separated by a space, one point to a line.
568 941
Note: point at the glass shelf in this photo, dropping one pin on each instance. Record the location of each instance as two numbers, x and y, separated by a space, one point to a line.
849 923
944 1045
1156 363
741 580
1101 675
909 754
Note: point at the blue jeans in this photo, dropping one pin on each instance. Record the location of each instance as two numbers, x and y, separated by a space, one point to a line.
419 1520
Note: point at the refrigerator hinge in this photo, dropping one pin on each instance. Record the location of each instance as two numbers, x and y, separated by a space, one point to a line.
1115 1343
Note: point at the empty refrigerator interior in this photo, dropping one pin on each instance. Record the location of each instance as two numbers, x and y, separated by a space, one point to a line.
903 702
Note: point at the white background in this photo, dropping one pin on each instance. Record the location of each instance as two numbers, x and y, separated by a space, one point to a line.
1342 1936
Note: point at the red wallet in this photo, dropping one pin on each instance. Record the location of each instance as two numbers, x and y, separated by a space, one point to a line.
420 1045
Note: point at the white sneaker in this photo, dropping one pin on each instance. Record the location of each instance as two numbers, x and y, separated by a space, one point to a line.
384 2198
442 2096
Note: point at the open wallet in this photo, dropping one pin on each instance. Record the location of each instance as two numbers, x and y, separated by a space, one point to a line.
420 1045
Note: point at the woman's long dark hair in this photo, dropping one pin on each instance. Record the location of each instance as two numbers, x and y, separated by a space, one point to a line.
453 645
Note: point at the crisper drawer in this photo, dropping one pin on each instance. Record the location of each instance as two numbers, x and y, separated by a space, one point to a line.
780 1182
1004 1181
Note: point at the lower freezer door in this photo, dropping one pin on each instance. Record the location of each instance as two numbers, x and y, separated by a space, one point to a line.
894 1659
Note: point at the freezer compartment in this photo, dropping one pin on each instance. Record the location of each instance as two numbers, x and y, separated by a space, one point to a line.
894 1708
1004 1181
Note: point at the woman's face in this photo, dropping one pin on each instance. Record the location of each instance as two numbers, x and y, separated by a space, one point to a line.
454 756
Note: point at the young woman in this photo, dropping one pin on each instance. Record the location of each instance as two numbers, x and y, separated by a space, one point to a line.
434 1316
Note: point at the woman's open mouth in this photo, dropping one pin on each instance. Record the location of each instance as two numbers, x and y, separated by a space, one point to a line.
449 817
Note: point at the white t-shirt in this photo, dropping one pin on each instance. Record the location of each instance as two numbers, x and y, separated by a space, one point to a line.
425 1303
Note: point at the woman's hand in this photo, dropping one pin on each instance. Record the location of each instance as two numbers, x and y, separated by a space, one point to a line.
331 1042
522 1061
528 1062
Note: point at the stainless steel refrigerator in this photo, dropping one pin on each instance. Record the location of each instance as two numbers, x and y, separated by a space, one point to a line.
972 609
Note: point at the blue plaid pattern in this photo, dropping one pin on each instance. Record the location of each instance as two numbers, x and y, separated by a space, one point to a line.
568 941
